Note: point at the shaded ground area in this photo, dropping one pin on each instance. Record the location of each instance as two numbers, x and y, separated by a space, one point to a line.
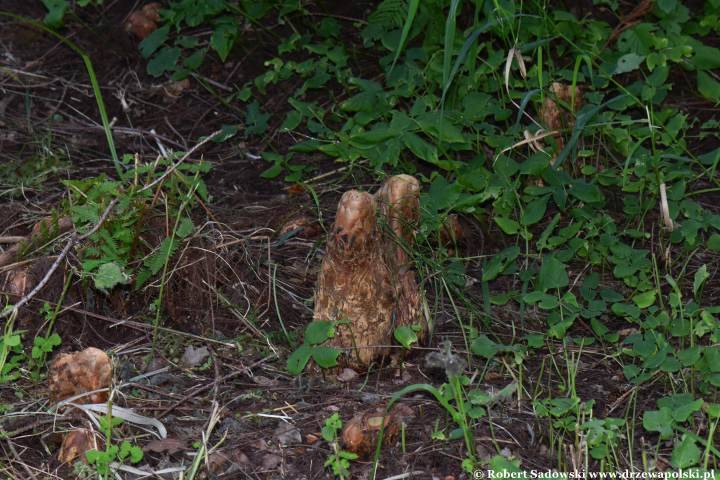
242 286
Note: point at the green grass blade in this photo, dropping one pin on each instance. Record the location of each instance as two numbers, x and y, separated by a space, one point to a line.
463 54
523 104
93 81
450 28
416 387
580 122
412 10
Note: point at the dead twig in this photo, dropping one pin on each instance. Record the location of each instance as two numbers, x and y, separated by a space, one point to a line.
174 166
72 241
11 239
629 20
27 469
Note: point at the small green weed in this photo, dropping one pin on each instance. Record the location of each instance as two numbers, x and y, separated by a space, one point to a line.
339 459
57 9
102 459
316 333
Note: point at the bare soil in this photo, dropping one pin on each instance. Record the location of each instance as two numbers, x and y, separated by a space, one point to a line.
47 102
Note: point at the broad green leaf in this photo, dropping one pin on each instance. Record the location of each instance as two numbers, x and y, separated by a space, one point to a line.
11 340
686 453
109 275
420 148
164 61
500 464
273 171
628 63
325 357
625 310
705 57
689 356
405 335
223 38
374 137
700 276
544 300
712 410
440 128
361 102
318 331
713 242
297 361
708 86
194 61
667 6
534 211
499 263
536 340
659 421
552 274
507 225
441 196
56 12
292 121
681 405
256 121
586 192
646 299
153 41
484 347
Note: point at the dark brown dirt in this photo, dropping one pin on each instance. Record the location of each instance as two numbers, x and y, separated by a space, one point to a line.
267 282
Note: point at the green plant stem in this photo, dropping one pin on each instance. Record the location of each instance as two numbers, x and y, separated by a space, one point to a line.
93 81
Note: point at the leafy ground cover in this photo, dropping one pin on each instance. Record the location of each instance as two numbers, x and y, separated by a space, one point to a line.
573 310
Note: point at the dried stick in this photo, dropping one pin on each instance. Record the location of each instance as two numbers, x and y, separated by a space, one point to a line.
174 167
73 240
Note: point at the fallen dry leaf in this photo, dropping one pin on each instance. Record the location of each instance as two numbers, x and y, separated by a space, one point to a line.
270 461
264 381
75 444
192 357
218 462
76 373
347 375
224 463
287 434
296 189
451 232
175 89
169 445
303 226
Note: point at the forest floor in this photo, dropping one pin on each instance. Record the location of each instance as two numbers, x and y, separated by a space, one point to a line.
213 369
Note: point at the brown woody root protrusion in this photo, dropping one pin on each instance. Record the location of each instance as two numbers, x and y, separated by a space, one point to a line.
553 116
366 275
75 444
360 434
81 372
143 22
